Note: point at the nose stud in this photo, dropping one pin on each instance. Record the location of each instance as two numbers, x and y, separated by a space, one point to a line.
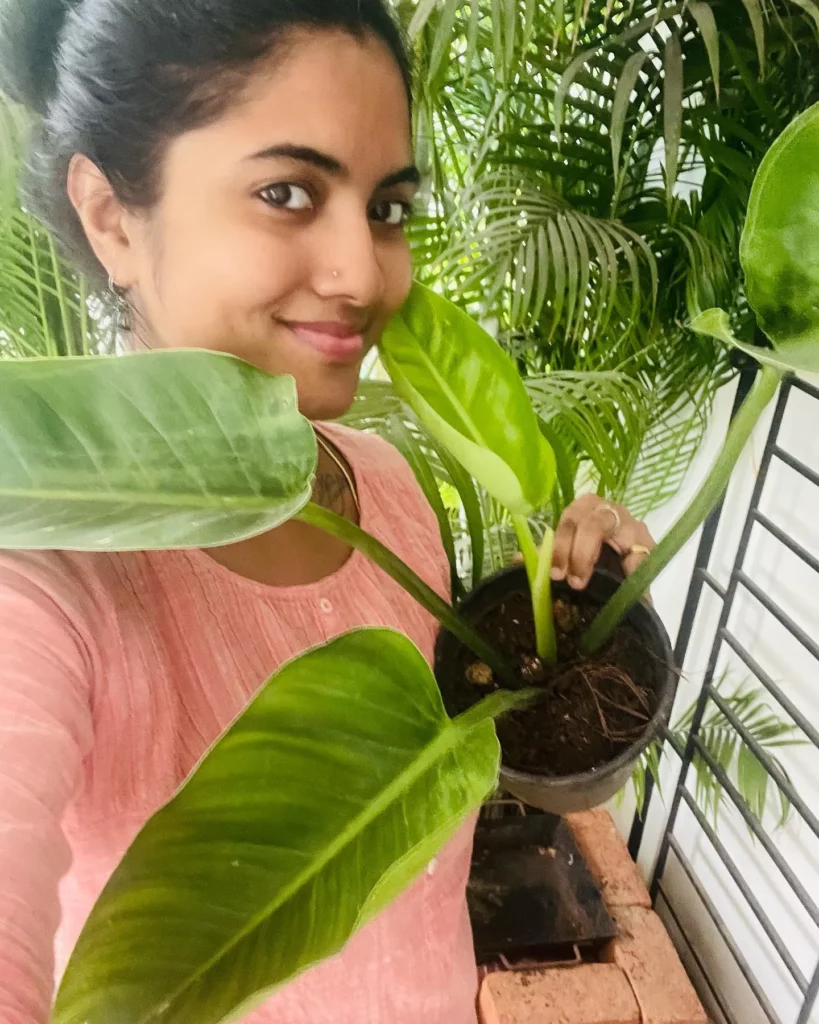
335 273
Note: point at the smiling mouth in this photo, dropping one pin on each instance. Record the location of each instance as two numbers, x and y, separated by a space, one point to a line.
336 342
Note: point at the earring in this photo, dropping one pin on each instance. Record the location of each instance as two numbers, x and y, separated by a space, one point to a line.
123 308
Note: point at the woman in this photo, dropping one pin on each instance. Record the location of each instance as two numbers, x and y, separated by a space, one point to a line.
241 172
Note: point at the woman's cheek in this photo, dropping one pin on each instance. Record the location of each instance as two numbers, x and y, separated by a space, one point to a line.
398 278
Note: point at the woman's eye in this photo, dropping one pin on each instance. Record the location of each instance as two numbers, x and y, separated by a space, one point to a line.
393 213
287 197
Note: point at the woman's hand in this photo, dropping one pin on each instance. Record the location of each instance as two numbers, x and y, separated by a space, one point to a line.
586 525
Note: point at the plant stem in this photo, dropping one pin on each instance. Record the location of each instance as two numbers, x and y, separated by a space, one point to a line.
697 512
392 565
538 569
542 602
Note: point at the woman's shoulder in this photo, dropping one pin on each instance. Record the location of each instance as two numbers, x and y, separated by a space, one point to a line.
77 589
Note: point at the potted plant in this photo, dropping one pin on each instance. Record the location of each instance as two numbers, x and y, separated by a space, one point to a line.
594 669
598 711
155 451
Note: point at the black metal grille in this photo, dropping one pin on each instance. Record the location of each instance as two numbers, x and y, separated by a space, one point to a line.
671 850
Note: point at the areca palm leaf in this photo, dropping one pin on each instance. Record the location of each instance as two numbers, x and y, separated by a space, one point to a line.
45 305
526 256
749 708
635 124
599 416
677 417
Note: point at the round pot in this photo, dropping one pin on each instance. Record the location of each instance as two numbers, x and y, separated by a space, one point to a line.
562 794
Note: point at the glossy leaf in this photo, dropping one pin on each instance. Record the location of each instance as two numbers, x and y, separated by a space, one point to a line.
780 243
316 808
467 393
158 450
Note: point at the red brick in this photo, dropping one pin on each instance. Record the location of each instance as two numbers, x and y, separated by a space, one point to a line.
608 859
646 954
587 994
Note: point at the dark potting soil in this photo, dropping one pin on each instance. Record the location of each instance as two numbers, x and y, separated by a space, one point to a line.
597 706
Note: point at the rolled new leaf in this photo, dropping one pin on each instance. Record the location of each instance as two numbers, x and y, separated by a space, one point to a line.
316 808
468 394
168 449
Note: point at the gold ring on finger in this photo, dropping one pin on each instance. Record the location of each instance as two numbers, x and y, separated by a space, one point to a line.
617 521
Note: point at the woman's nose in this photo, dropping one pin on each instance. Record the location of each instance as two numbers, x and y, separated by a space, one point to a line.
347 265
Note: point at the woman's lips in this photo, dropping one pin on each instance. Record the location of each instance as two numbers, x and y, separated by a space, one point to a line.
334 341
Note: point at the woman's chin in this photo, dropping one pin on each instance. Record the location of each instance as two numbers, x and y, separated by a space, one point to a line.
332 400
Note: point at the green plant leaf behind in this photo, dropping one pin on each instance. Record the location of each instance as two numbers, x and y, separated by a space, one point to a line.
158 450
316 808
467 393
798 356
779 249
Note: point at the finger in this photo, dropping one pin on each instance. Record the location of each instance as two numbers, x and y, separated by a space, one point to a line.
634 545
564 536
587 544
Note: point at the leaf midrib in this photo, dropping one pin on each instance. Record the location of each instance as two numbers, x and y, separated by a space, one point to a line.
161 498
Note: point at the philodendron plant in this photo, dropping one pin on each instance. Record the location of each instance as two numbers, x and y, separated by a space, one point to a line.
277 849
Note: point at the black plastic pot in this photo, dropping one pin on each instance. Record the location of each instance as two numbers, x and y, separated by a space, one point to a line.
560 795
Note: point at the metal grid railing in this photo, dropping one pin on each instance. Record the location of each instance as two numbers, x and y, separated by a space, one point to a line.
670 847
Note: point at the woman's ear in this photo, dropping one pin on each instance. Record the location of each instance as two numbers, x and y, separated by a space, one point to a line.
104 219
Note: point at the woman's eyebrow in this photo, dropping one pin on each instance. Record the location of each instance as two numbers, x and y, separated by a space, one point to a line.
306 154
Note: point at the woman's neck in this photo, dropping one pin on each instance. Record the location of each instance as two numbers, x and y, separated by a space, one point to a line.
294 553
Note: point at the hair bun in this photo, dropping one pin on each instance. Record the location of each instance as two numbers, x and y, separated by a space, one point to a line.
29 37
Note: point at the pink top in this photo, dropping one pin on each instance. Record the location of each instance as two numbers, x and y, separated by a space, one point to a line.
118 671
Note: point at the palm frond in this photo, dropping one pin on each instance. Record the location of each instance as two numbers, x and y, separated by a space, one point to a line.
745 707
589 165
46 306
597 416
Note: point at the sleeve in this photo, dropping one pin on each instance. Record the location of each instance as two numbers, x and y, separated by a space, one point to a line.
45 731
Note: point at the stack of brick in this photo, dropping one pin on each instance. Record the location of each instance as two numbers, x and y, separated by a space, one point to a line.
641 979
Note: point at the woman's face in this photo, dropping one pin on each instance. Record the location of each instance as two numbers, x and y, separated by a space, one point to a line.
279 234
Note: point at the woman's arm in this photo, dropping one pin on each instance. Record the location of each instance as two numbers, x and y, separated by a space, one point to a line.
45 730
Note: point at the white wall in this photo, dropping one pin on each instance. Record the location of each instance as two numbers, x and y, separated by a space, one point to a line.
793 504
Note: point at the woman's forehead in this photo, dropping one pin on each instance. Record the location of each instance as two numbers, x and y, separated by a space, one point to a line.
327 91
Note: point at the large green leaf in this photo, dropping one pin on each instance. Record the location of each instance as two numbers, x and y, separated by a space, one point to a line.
780 244
316 808
157 450
467 393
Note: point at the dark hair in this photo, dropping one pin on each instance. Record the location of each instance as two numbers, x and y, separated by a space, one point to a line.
116 80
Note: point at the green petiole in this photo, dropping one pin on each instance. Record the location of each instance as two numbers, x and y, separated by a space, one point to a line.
539 570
